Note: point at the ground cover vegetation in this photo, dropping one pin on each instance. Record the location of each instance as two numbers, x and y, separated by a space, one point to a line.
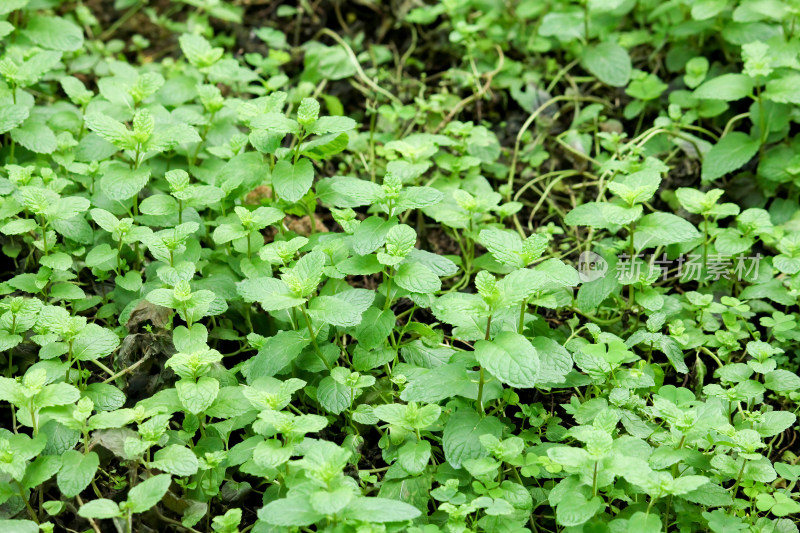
465 265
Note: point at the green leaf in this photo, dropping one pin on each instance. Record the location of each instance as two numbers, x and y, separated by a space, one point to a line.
325 125
575 509
294 511
8 341
7 7
661 229
18 526
121 182
333 396
275 123
35 136
555 360
462 433
685 484
400 240
102 257
507 247
445 381
148 493
19 226
782 381
5 28
783 89
57 394
197 397
344 191
334 311
609 62
292 182
229 232
271 293
371 234
94 342
199 51
774 423
109 129
159 205
375 327
644 523
727 87
706 9
380 510
77 471
106 397
307 111
413 456
408 416
696 70
57 261
710 494
324 147
636 188
40 470
55 33
276 353
101 509
729 154
602 215
67 291
12 116
176 459
511 358
416 277
131 281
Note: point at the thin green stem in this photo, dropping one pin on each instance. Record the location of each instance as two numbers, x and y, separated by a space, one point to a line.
314 338
481 377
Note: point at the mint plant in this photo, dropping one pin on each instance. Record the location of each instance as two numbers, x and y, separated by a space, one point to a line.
460 267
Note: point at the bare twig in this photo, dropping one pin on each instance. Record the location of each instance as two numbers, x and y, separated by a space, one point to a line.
131 368
354 60
91 520
476 95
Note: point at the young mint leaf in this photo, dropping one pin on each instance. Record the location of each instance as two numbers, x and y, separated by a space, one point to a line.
511 358
726 87
272 294
197 397
94 342
660 229
292 181
148 493
175 459
77 471
294 511
379 510
100 509
12 116
609 62
462 433
416 277
199 51
55 33
326 125
729 154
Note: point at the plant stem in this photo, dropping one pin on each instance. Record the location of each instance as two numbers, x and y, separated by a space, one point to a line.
388 290
314 337
738 480
31 512
481 379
